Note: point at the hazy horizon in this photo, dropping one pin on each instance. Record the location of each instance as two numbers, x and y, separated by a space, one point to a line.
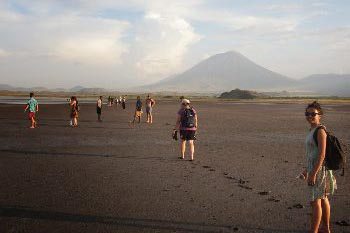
117 45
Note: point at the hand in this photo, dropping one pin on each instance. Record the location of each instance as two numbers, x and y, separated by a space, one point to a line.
311 180
302 176
175 135
304 173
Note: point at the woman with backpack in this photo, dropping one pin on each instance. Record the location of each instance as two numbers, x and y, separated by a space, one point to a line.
187 123
321 181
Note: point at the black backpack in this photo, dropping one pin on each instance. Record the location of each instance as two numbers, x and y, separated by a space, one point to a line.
188 119
335 156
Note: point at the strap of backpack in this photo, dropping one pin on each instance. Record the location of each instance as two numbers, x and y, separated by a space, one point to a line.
316 131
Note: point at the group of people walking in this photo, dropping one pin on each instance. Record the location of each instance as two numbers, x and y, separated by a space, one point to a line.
320 180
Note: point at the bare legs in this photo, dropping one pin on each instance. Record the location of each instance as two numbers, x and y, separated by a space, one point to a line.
326 214
183 148
33 123
320 211
149 118
75 122
191 148
136 116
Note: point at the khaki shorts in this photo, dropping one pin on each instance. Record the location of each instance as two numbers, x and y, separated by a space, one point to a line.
138 113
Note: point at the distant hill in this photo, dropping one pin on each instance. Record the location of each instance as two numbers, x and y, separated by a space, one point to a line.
5 87
241 94
327 84
222 72
76 88
92 91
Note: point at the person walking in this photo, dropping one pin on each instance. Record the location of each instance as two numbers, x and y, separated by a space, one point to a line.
187 124
123 102
138 110
33 107
149 107
74 105
321 182
99 108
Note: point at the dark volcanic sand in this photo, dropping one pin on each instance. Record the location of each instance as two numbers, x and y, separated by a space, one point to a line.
108 177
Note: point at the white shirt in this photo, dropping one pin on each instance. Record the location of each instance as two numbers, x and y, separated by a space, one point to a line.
99 103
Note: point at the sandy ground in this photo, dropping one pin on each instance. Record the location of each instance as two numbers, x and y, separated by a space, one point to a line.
108 177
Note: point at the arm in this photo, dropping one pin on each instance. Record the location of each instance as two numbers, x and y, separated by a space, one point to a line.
37 107
196 121
321 138
27 106
178 121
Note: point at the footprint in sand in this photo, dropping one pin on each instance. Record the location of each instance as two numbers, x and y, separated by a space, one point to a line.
273 199
264 193
231 178
342 223
245 187
296 206
206 166
240 181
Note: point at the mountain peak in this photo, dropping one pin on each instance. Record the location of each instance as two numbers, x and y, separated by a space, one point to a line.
224 71
228 54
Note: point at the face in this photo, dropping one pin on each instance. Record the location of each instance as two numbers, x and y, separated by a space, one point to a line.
312 116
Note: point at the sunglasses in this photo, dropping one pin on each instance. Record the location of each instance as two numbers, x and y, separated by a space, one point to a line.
312 114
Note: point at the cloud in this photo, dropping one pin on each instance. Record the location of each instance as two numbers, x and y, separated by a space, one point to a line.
89 40
161 42
78 39
140 41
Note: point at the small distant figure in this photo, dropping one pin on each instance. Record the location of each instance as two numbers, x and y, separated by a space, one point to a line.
149 107
112 101
109 101
99 108
187 123
138 110
123 102
116 102
74 105
33 107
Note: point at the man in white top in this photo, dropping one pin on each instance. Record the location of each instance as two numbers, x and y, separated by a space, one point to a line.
99 108
149 106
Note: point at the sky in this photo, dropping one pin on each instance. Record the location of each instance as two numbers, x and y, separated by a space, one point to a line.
118 44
